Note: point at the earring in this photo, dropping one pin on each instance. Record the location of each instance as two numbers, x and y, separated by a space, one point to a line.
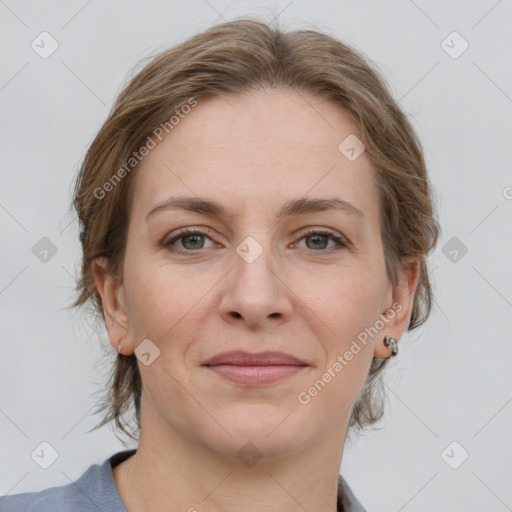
120 343
389 340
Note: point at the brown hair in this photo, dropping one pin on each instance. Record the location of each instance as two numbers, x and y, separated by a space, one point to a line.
233 58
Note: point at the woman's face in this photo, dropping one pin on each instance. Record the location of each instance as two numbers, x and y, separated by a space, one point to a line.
253 280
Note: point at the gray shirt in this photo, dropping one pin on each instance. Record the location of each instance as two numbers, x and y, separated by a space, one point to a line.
96 490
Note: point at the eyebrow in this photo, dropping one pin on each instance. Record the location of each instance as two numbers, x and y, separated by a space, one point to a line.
291 208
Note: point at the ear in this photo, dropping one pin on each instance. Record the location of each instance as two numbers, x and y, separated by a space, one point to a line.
400 301
114 307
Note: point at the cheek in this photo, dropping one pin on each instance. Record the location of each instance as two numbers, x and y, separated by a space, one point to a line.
156 297
350 302
166 305
350 307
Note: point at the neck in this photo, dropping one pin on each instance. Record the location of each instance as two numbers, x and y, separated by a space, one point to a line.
171 471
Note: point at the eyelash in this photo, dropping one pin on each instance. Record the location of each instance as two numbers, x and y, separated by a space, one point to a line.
183 233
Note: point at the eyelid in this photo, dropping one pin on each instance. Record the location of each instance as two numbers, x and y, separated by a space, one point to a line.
186 231
341 241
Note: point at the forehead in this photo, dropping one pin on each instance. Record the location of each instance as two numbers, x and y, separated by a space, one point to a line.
261 149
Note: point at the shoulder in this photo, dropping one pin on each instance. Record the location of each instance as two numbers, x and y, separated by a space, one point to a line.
94 490
72 496
55 499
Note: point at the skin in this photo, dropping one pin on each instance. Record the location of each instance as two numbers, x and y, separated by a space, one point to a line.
309 298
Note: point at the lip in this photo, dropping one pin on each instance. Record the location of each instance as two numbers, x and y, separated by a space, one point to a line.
242 358
255 369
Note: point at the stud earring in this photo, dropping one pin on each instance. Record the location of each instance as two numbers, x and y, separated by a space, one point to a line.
390 341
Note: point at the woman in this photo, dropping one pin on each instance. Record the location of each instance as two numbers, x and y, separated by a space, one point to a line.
256 216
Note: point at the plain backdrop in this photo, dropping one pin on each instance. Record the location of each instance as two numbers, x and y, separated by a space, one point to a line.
451 382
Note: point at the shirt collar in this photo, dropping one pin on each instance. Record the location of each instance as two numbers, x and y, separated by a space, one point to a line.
347 502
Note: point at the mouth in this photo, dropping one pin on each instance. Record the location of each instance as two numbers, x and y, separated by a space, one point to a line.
255 369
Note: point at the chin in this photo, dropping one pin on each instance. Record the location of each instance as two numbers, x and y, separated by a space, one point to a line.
274 431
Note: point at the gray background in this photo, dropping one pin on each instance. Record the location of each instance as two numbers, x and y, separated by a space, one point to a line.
451 380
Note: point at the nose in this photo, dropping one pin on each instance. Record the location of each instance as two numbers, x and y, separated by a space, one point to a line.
255 290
